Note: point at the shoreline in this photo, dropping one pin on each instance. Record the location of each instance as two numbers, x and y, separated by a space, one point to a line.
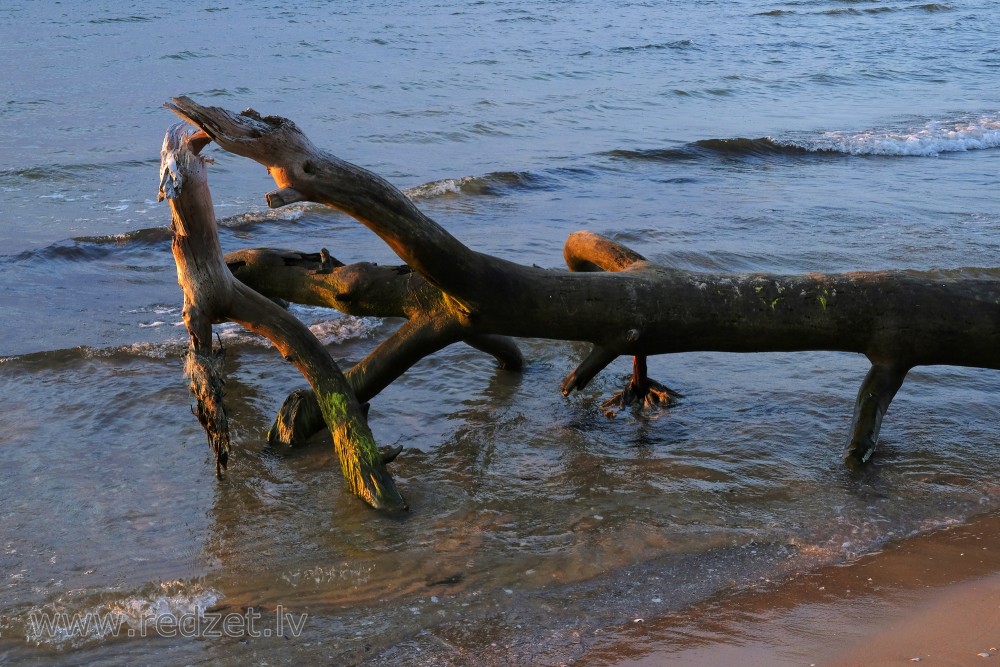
932 599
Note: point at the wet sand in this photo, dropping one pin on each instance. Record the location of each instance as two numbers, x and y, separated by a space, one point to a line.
933 600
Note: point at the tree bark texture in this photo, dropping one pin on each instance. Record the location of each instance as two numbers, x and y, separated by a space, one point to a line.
612 297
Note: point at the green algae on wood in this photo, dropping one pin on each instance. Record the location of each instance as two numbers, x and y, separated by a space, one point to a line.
361 462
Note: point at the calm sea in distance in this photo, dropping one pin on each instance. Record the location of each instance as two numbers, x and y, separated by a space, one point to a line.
738 135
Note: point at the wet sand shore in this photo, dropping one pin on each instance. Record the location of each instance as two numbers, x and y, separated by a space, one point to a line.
933 600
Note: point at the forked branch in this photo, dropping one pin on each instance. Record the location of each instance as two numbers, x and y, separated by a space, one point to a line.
212 295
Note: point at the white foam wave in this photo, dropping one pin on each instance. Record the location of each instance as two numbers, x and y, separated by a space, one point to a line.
328 331
146 349
63 624
345 328
328 326
928 140
438 188
158 309
257 215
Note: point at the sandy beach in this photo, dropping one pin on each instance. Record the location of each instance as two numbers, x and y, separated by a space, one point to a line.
933 599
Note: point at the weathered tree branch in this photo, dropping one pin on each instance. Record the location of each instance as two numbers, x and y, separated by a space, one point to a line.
898 319
203 277
362 289
877 391
212 295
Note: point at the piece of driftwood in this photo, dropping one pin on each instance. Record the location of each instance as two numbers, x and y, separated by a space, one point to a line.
212 295
611 297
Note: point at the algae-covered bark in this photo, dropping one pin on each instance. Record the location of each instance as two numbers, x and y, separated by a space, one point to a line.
363 468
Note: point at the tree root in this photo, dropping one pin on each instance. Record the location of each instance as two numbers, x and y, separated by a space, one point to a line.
640 393
299 417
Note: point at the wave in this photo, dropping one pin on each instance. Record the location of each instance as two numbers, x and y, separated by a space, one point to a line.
91 248
661 46
66 173
329 327
492 184
266 215
110 615
188 55
851 11
136 18
930 139
713 148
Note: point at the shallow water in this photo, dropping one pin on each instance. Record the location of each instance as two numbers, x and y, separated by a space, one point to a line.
815 135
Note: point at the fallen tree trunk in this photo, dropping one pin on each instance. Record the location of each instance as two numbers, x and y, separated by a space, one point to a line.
626 305
212 295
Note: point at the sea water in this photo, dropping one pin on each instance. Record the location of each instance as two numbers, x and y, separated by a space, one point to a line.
808 135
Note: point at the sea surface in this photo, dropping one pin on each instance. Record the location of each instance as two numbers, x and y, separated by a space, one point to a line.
736 135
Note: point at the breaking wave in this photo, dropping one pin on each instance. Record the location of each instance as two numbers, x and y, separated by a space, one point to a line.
67 623
929 139
492 184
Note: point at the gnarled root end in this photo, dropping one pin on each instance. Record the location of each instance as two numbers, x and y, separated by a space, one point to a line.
652 395
641 392
205 375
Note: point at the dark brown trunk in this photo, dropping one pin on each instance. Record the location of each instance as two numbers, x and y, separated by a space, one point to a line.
622 303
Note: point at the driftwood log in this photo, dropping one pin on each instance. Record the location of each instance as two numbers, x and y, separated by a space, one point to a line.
612 297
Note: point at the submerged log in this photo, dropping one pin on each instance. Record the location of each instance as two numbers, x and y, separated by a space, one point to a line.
212 295
626 305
